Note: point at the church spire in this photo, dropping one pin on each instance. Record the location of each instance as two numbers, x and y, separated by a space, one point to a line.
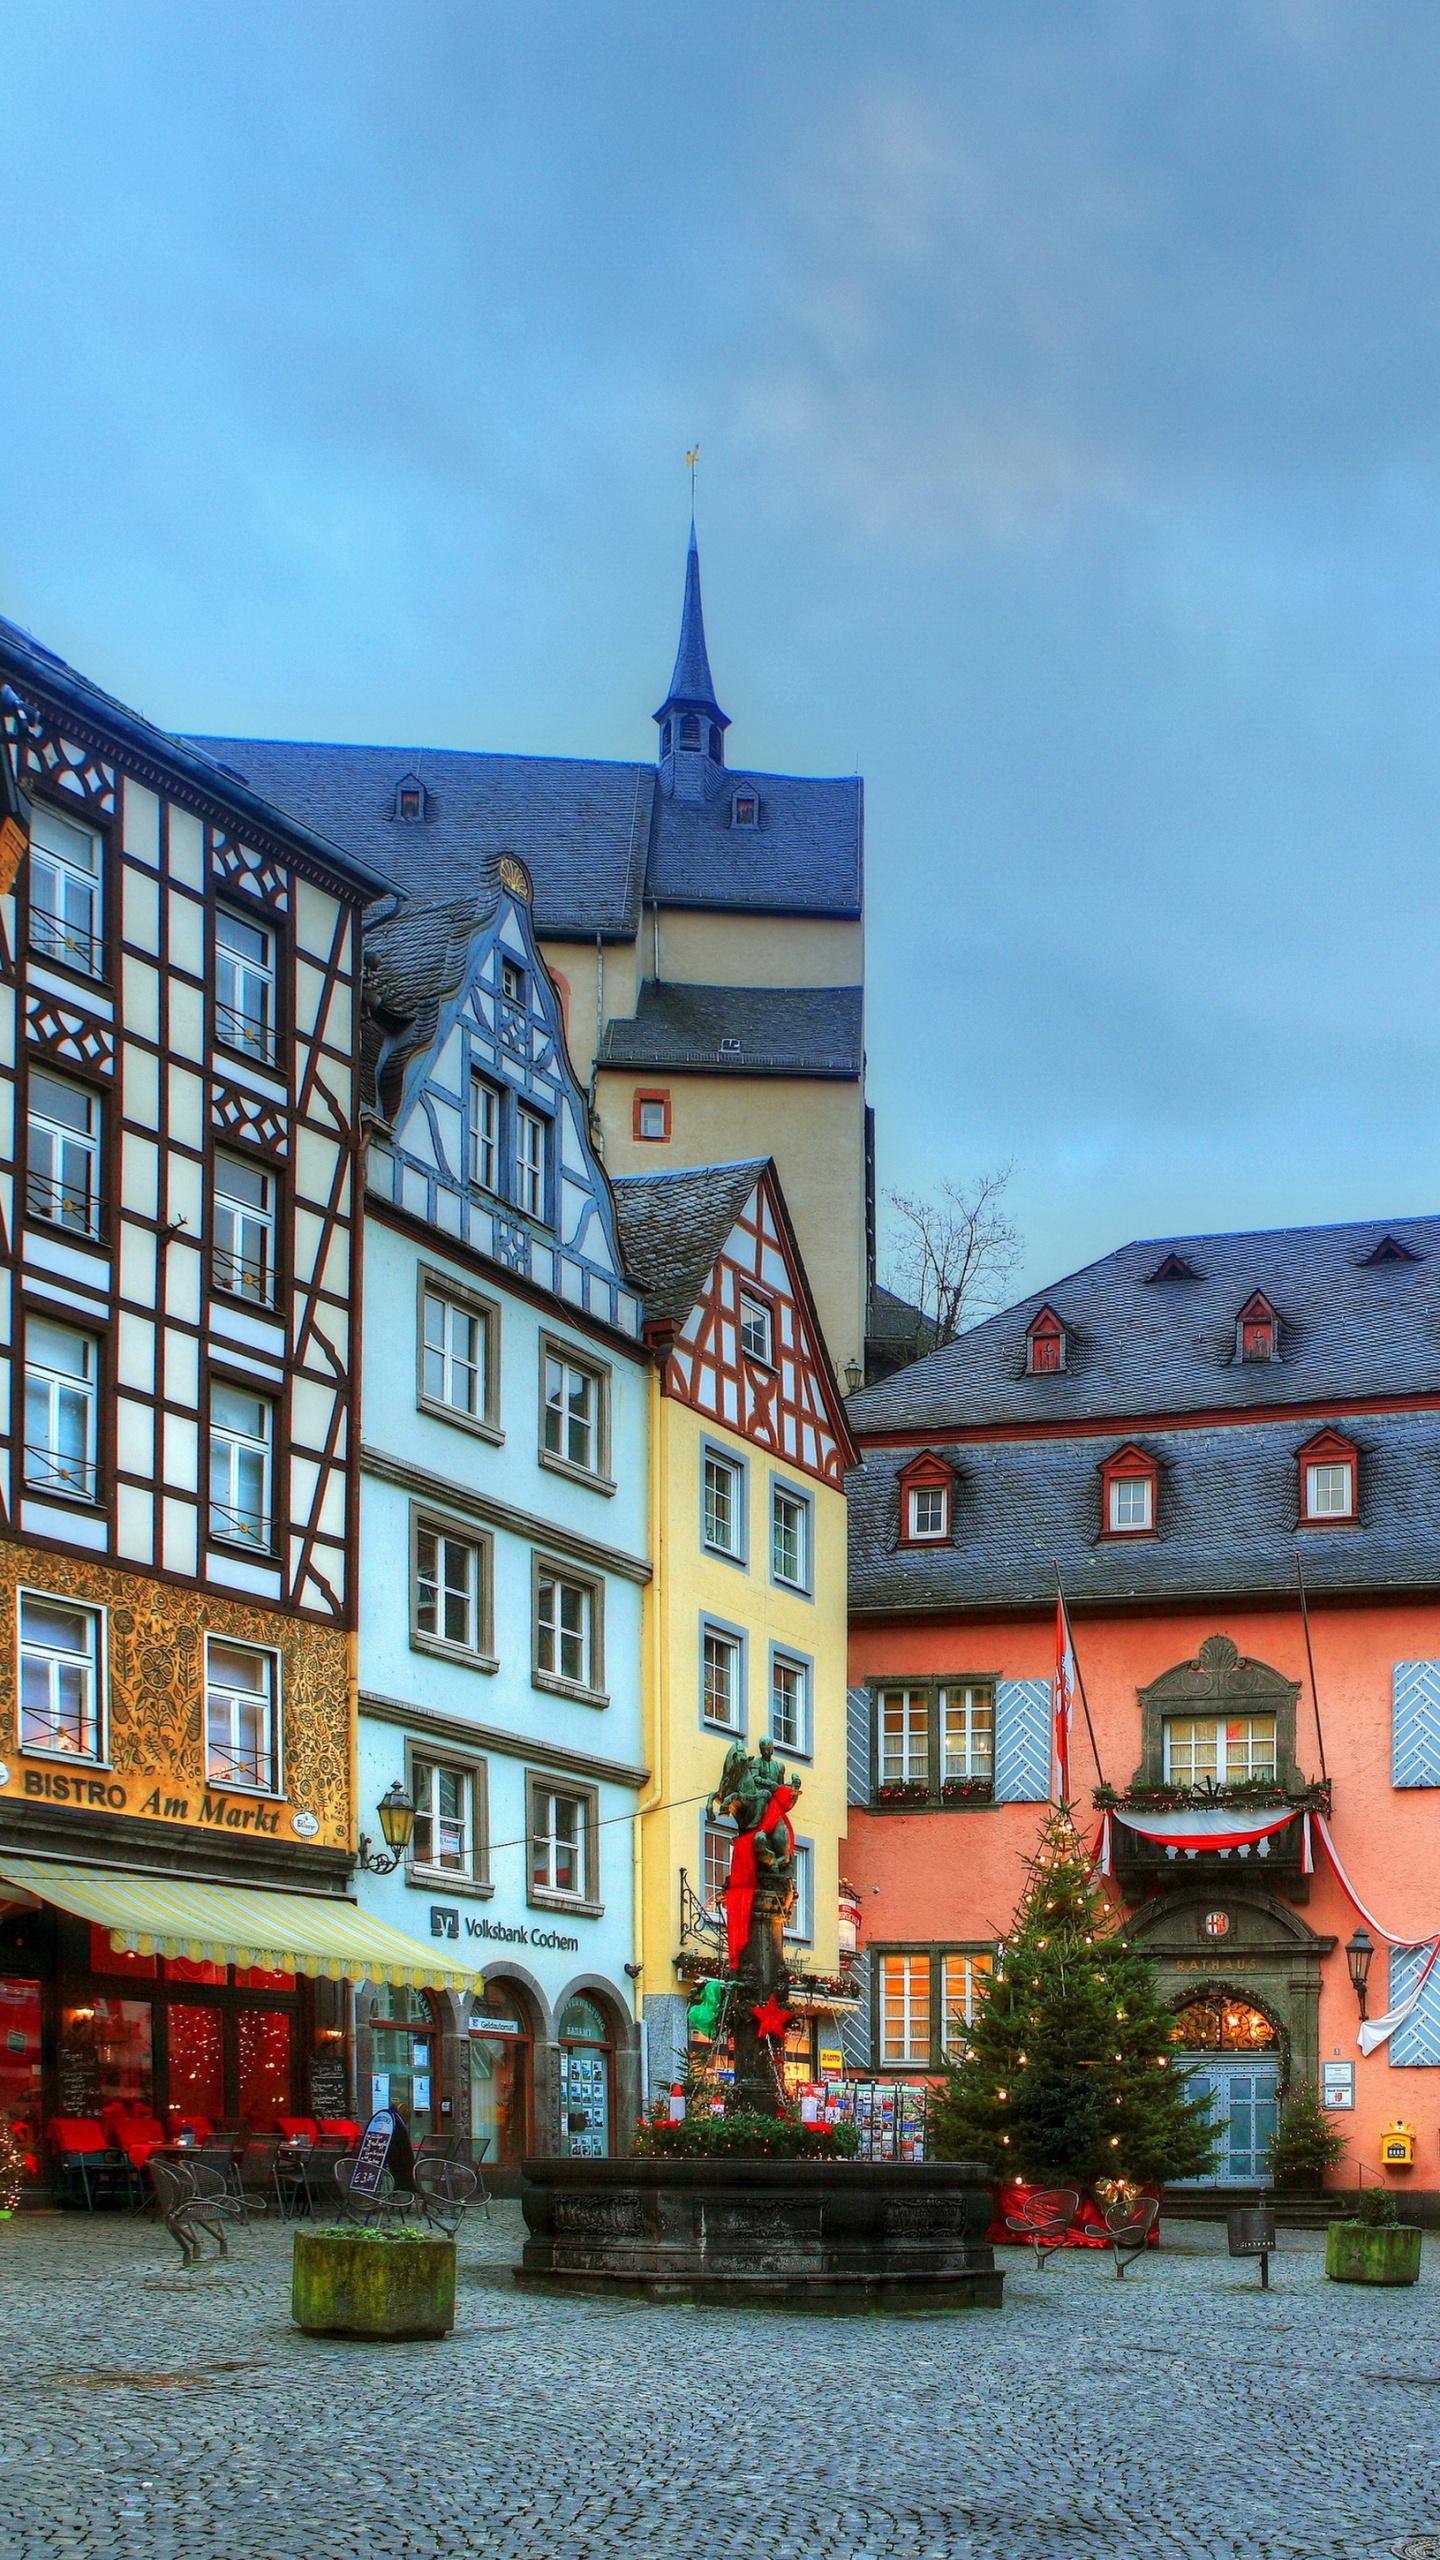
691 722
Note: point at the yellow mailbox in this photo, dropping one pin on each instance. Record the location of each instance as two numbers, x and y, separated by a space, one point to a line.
1397 2145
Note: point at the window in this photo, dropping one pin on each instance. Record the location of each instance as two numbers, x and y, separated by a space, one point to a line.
240 1722
454 1355
573 1416
512 982
790 1538
60 1676
650 1117
756 1327
444 1836
715 1848
1328 1477
1227 1750
565 1630
62 1167
905 2009
241 1433
410 800
801 1923
1128 1488
689 729
484 1134
967 1734
964 1981
721 1679
723 1505
1257 1329
559 1840
790 1702
904 1737
1044 1344
925 1487
61 1371
244 1230
929 1512
449 1588
244 985
65 875
744 810
530 1132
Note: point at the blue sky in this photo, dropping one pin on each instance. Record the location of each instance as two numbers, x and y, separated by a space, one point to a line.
1068 385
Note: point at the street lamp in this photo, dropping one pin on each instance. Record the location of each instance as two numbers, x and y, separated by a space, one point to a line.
1358 1954
396 1810
854 1377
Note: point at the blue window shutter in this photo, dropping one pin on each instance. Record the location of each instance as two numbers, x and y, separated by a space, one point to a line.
1022 1741
1417 2041
1415 1725
855 2031
857 1746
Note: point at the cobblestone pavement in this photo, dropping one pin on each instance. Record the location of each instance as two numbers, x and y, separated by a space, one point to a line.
146 2414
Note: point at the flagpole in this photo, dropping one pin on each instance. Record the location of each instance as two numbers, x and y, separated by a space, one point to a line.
1079 1674
1310 1658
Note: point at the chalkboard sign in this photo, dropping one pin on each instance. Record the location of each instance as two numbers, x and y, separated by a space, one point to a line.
374 2153
328 2093
77 2081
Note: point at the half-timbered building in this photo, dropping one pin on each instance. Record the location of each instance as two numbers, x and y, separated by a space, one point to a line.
749 1451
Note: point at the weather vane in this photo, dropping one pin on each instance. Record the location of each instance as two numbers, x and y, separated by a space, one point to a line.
692 457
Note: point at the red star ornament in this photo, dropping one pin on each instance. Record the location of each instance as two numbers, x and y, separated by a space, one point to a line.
771 2019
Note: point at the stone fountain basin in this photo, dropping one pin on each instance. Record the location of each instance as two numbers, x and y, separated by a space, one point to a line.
842 2235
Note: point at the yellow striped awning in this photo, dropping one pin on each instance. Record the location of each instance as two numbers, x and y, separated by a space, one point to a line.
237 1924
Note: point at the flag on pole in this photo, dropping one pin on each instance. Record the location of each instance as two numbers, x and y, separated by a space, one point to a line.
1063 1697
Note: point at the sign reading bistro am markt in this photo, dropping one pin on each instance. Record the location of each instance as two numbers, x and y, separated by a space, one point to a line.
153 1763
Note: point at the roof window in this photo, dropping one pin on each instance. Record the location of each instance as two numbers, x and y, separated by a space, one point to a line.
411 801
1129 1493
926 1501
744 809
1329 1482
1175 1267
1257 1330
1389 1249
1044 1344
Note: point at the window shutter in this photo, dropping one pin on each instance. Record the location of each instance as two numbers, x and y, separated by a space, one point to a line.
1416 2041
857 1746
1022 1741
855 2031
1415 1725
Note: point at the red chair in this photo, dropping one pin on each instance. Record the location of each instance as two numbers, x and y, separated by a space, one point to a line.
337 2129
88 2160
297 2128
133 2130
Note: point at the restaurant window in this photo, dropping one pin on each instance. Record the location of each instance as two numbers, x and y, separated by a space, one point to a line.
65 872
264 2052
62 1162
790 1538
585 2081
964 1981
561 1821
196 2075
451 1590
62 1370
500 2061
721 1679
244 1230
105 2057
405 2057
722 1519
455 1356
241 1433
21 2095
904 1737
242 1728
1227 1752
905 2009
566 1636
573 1415
967 1733
245 986
61 1676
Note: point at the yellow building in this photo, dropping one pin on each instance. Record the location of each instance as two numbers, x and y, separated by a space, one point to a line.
747 1627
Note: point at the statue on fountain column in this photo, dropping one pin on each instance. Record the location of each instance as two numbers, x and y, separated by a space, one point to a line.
757 1792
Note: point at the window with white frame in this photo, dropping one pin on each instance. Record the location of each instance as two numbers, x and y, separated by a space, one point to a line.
929 1510
61 1678
757 1326
1229 1751
790 1538
61 1375
967 1732
241 1726
485 1166
904 1737
454 1355
242 1430
573 1412
1330 1489
715 1847
905 2009
721 1678
1132 1504
245 985
652 1117
512 982
789 1702
449 1587
565 1629
530 1136
65 876
723 1504
964 1981
801 1923
62 1161
559 1841
444 1840
244 1232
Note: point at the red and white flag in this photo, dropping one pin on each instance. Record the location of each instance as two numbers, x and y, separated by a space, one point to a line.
1063 1695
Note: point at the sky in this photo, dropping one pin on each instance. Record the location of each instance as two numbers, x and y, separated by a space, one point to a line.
1067 382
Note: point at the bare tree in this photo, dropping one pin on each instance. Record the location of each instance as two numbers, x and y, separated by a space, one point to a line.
952 1254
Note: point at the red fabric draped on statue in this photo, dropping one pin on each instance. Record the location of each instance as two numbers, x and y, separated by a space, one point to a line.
739 1896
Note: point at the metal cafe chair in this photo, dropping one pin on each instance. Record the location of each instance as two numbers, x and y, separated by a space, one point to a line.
445 2189
253 2175
1130 2227
1044 2218
307 2173
193 2199
366 2208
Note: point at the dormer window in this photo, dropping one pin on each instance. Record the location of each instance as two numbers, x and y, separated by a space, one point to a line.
1129 1489
1257 1329
1174 1267
1329 1482
1389 1249
410 801
926 1489
744 810
690 731
1044 1344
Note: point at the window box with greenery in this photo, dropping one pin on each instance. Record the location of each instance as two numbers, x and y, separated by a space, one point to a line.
903 1791
967 1791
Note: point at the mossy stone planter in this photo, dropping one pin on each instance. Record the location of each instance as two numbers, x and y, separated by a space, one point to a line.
1378 2253
353 2286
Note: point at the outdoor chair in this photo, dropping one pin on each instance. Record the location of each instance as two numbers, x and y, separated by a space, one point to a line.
444 2189
193 2199
1043 2219
383 2207
1130 2227
307 2174
253 2176
88 2162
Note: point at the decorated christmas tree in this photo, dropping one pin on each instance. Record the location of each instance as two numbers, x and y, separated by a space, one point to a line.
1069 2075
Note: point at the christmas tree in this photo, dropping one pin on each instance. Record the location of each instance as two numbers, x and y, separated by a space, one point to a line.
1069 2073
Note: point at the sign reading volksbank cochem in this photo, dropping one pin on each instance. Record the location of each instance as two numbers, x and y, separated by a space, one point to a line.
445 1923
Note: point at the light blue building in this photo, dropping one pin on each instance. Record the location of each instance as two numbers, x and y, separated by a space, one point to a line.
503 1542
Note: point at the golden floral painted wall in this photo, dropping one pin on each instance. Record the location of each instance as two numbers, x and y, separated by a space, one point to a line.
155 1761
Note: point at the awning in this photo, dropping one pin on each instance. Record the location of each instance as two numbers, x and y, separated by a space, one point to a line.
1214 1827
237 1924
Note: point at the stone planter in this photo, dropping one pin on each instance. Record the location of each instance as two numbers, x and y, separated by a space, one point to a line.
1374 2253
827 2235
352 2286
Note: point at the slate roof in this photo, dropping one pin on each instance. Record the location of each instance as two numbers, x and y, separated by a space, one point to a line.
413 962
672 1226
1137 1345
1225 1521
691 682
814 1031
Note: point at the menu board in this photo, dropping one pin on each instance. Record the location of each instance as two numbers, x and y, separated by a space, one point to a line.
77 2081
329 2095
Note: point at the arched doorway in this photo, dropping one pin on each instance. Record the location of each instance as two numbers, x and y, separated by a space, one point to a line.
1232 2052
501 2075
587 2049
405 2056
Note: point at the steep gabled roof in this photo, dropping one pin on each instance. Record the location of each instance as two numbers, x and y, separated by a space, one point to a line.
813 1031
673 1225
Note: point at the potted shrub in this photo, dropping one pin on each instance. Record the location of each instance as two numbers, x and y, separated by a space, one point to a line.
1305 2144
358 2281
1374 2246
